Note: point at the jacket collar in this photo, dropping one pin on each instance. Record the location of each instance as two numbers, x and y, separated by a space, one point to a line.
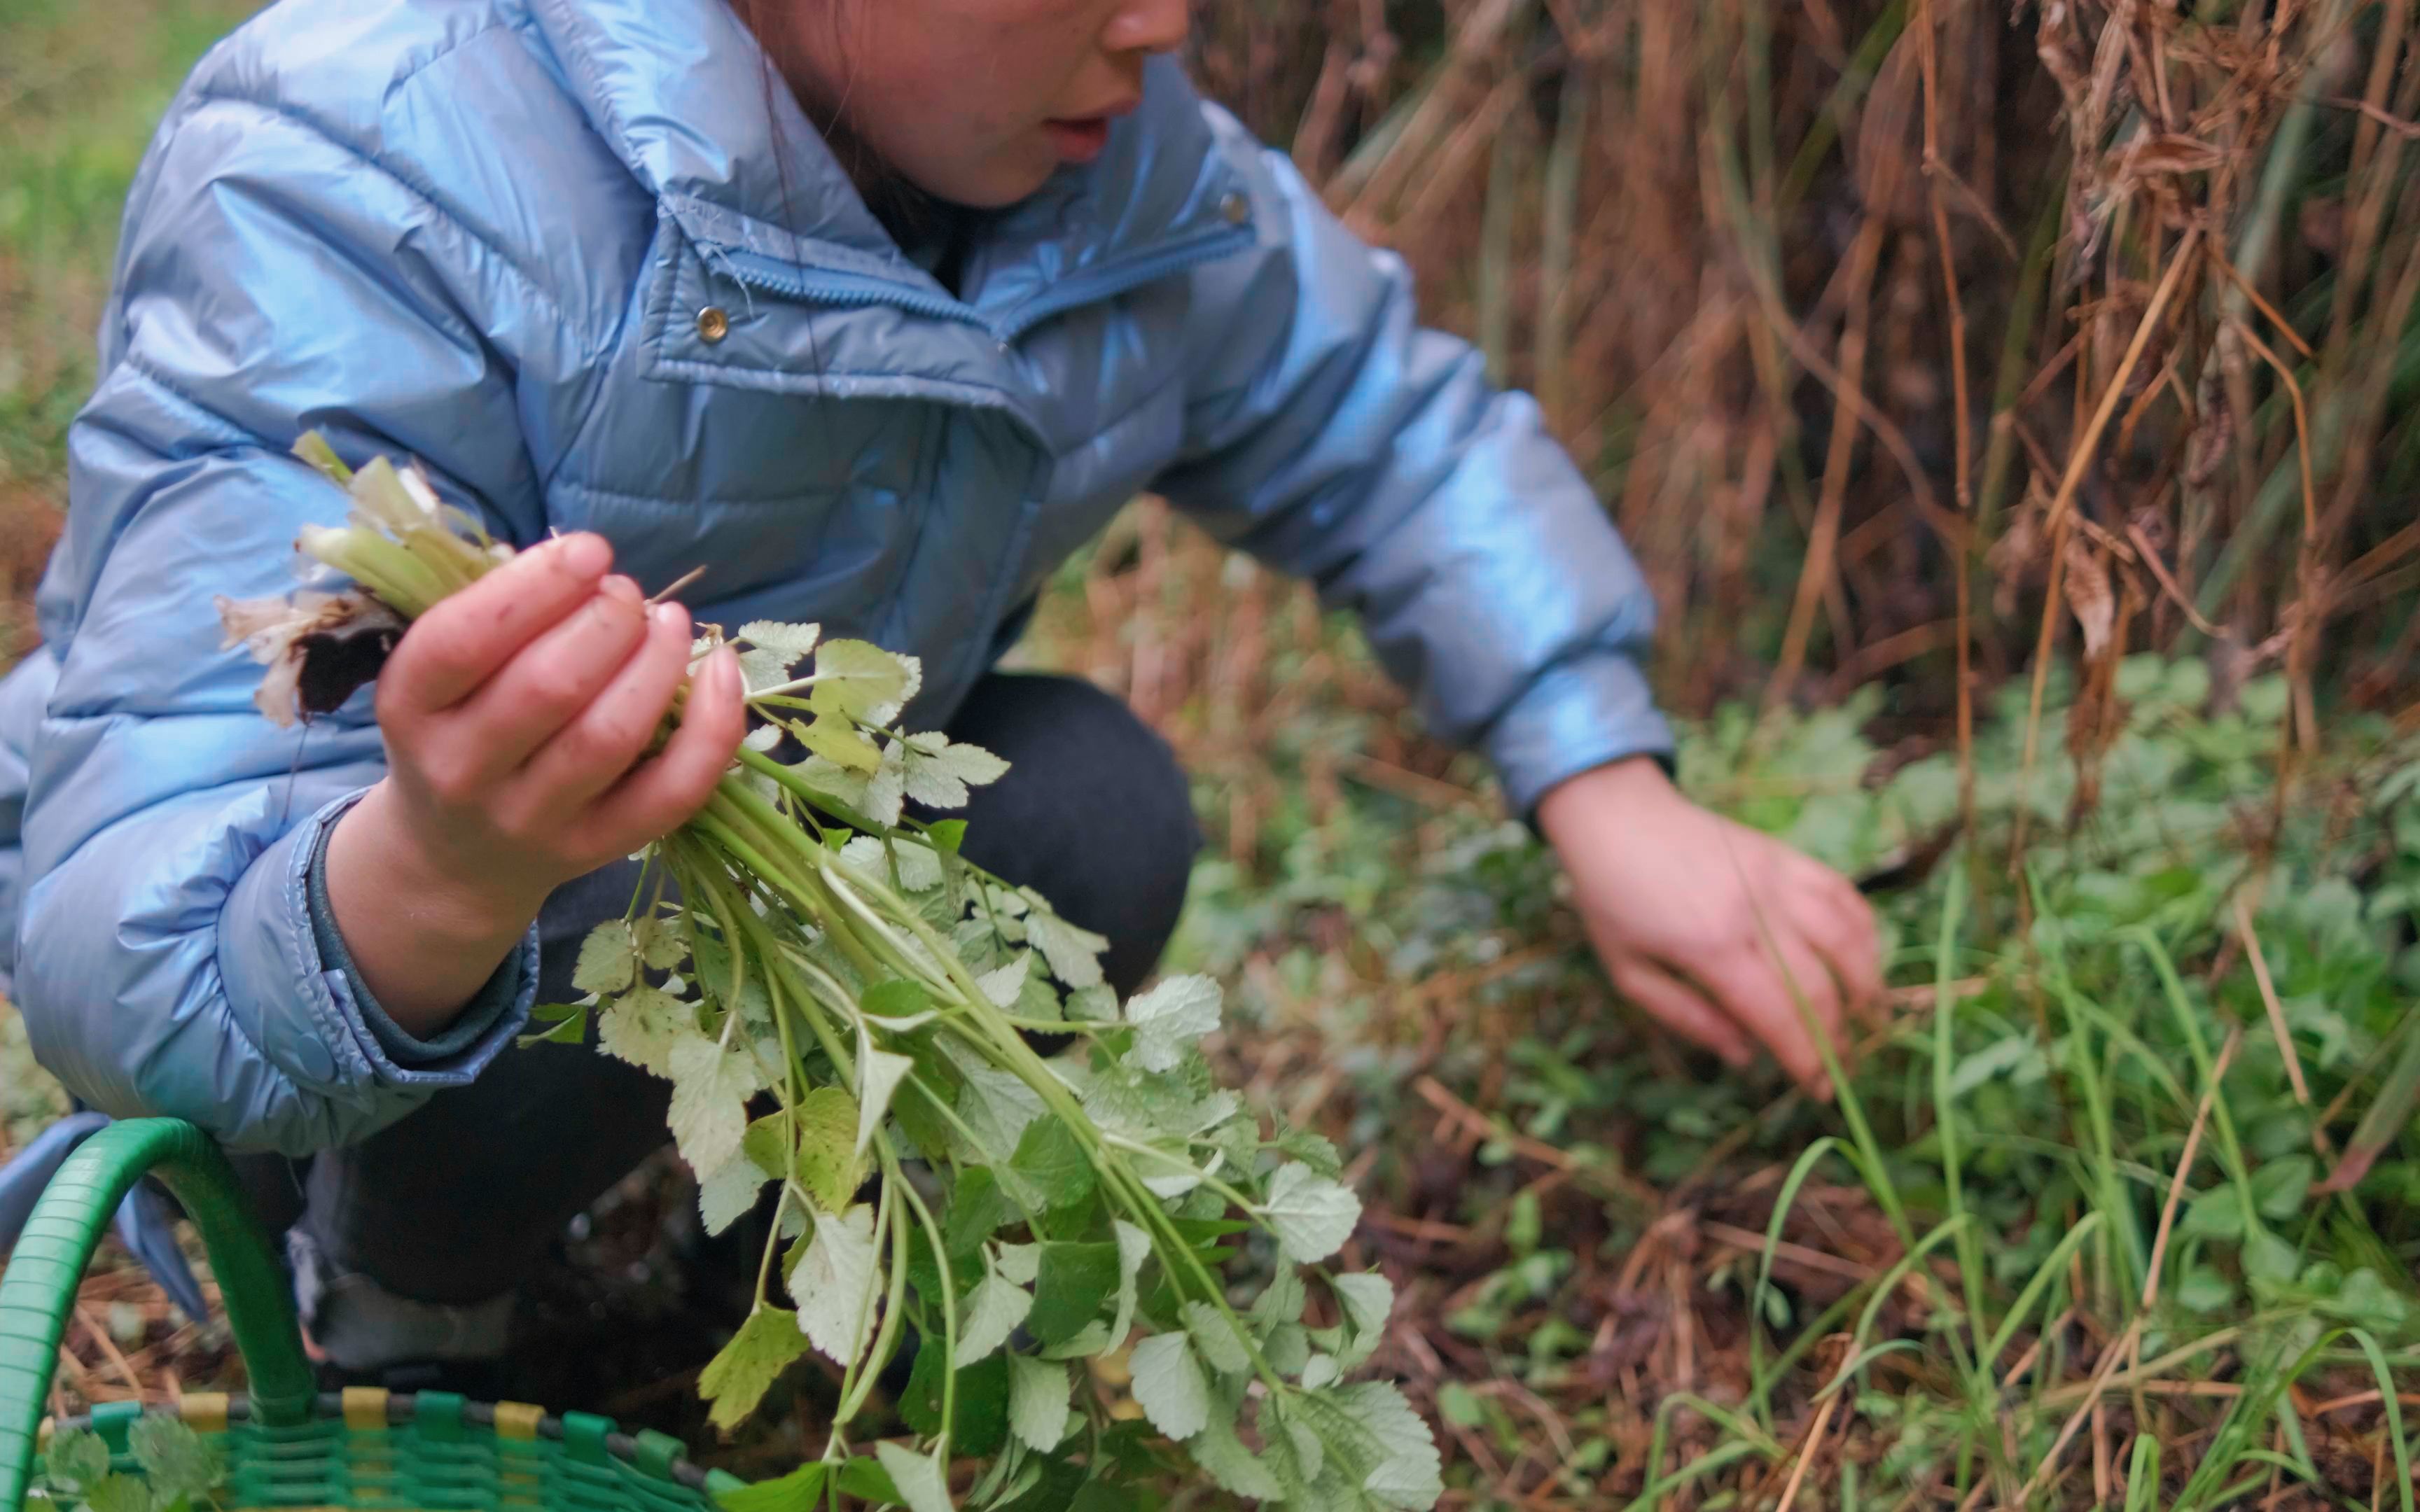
682 93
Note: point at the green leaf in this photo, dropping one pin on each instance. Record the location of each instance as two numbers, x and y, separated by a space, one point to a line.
1169 1386
1216 1338
940 770
1409 1473
1053 1160
711 1086
570 1021
1311 1216
978 1208
1072 1282
900 862
896 999
1314 1151
921 1485
1003 985
1368 1301
864 1478
78 1458
834 1283
1038 1412
609 959
174 1459
1170 1018
800 1490
980 1426
1097 1004
861 681
736 1379
2280 1186
828 1168
996 1107
121 1493
1225 1459
774 649
1282 1301
730 1192
839 742
2217 1213
879 1073
661 943
1074 954
2204 1290
993 1311
2269 1258
1134 1247
641 1026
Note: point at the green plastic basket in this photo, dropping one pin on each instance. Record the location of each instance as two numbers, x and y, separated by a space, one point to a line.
289 1444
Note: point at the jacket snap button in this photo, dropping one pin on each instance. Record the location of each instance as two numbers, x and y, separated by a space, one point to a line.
1236 208
713 324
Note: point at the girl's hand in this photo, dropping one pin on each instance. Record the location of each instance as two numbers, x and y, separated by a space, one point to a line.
518 716
1698 919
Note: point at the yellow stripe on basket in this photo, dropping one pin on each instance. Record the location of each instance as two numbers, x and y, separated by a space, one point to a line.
517 1420
365 1409
204 1412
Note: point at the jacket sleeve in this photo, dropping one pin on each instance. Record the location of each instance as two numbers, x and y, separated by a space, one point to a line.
1331 436
269 279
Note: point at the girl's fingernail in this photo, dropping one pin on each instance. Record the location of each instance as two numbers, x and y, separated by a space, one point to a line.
671 614
621 589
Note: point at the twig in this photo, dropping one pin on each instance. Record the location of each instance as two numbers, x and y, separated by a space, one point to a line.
2276 1009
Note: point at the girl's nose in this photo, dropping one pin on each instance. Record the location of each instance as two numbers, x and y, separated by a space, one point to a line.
1148 26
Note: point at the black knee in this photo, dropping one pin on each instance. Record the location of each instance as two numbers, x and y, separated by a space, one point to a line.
1095 813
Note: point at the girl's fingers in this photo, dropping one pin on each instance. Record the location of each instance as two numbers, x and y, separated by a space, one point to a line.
1765 995
554 679
601 742
1840 924
1680 1009
462 642
668 788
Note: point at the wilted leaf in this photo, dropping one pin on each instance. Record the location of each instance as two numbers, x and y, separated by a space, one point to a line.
736 1379
832 1283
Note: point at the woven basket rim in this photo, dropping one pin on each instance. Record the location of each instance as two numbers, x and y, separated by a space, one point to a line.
402 1410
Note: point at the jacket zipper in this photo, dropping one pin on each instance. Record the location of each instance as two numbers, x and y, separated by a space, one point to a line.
823 287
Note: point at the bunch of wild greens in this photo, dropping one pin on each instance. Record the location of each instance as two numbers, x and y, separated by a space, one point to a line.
178 1472
804 944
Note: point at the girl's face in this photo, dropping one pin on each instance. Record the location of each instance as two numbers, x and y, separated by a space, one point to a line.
974 101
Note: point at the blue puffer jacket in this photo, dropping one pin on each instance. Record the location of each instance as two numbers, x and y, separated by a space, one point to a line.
581 260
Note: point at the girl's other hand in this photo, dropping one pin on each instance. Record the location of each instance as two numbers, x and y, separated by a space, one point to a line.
1709 925
519 717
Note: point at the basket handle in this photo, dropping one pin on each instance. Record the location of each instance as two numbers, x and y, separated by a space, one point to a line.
38 1289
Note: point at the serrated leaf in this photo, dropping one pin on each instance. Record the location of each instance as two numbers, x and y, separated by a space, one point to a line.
1170 1018
800 1490
729 1193
993 1310
1074 954
1314 1151
1001 987
918 1478
609 959
641 1026
918 870
879 1073
1411 1474
834 1284
1225 1459
1282 1301
775 649
1320 1370
1134 1247
996 1105
844 750
827 1122
1169 1386
1038 1412
710 1090
736 1379
1311 1216
1052 1161
78 1459
863 681
886 789
1368 1301
121 1493
939 771
1097 1004
1216 1338
1071 1281
174 1459
661 943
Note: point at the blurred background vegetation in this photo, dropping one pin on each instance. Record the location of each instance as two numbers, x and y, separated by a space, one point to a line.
2014 409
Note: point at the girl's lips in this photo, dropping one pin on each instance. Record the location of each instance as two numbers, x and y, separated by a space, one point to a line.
1079 142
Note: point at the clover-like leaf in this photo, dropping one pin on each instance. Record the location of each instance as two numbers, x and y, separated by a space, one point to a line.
1169 1386
609 959
1311 1216
1038 1412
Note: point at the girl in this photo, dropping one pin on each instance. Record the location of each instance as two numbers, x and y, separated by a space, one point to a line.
875 309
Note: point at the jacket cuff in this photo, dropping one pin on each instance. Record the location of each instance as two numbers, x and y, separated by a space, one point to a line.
471 1027
269 924
1577 716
